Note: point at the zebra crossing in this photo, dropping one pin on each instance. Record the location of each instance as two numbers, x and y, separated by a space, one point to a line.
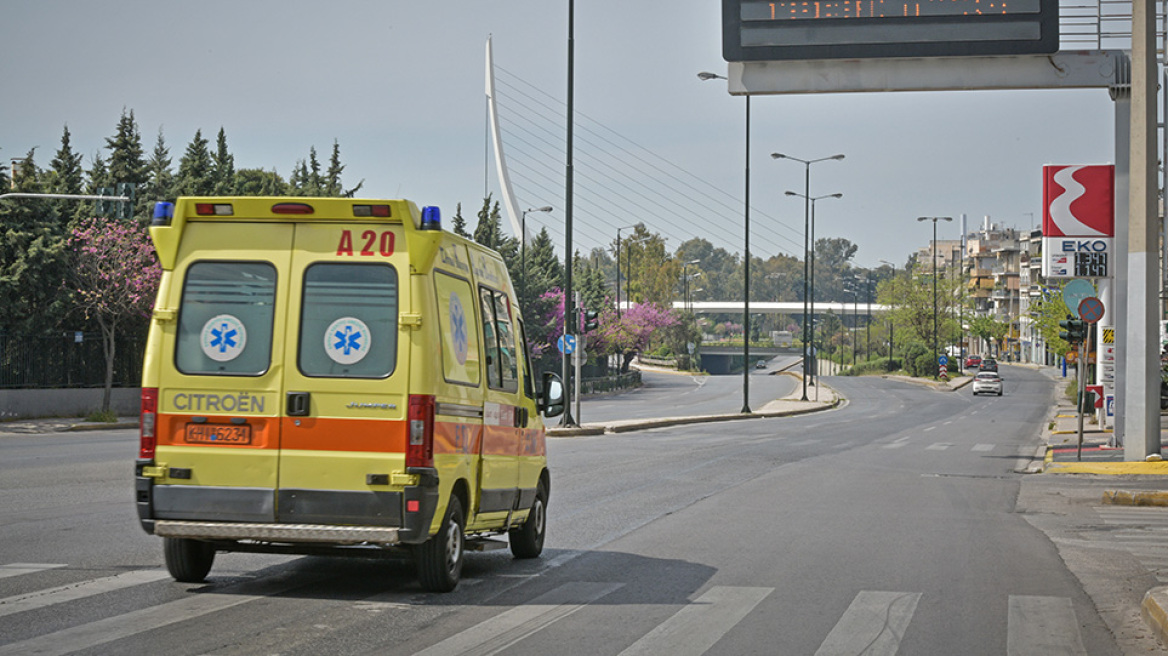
903 442
874 624
1142 531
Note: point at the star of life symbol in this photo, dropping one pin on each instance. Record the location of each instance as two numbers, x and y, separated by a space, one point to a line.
458 328
223 338
347 340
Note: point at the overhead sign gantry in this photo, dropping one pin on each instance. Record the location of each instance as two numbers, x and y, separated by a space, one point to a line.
757 30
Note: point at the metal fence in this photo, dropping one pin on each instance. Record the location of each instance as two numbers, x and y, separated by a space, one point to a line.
67 360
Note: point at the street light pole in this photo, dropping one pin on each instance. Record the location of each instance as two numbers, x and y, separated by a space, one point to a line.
806 250
618 251
935 219
523 249
811 294
746 269
890 324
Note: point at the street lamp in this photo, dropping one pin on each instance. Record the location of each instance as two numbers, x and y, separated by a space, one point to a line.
866 282
705 76
618 251
523 247
685 283
935 219
811 294
890 324
806 253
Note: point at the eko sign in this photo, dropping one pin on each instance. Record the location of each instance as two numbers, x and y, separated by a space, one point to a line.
1078 221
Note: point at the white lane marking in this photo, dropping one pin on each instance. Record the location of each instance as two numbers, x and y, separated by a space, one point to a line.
61 594
17 569
939 446
694 629
1038 626
899 442
948 422
87 636
983 447
505 629
873 625
930 428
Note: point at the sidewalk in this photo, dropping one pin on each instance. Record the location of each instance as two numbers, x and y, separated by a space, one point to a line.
787 406
63 425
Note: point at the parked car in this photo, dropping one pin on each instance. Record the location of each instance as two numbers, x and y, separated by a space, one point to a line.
972 362
988 364
987 382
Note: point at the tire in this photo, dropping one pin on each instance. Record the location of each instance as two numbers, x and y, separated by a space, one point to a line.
999 393
188 561
527 540
439 559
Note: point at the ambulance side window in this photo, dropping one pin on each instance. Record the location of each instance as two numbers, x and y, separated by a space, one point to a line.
499 341
528 389
225 320
348 321
460 335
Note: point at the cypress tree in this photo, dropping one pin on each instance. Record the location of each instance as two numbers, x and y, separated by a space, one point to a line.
223 167
126 162
458 223
195 175
66 177
160 181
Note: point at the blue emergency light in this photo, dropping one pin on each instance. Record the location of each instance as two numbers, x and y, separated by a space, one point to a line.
163 213
431 218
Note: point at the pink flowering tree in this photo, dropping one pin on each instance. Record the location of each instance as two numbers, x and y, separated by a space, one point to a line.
113 280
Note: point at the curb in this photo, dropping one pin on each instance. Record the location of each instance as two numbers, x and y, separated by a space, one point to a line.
81 428
1139 498
1109 468
628 426
1152 610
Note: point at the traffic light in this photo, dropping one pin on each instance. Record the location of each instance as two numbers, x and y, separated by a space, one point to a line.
125 209
590 321
104 207
1073 330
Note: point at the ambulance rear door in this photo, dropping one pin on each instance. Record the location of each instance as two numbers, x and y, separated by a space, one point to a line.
345 378
220 378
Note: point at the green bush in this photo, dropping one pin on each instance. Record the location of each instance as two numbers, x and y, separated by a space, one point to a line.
106 417
924 366
662 351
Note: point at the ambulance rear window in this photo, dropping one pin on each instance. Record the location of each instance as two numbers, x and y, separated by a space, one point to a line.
225 324
348 323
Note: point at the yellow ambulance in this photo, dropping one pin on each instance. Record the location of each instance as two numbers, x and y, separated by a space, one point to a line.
337 376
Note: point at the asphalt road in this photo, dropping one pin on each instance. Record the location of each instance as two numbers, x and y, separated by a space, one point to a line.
887 526
673 394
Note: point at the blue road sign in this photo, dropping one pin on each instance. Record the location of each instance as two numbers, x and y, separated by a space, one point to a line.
943 360
566 344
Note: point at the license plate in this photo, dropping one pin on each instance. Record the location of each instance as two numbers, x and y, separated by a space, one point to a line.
218 434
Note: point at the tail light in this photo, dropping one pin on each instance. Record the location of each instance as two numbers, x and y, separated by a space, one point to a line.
420 442
147 421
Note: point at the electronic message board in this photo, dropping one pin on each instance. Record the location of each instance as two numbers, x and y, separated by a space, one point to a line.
757 30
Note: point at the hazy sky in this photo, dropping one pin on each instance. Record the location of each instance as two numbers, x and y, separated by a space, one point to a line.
399 84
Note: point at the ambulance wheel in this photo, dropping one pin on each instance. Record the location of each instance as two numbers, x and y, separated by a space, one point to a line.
527 540
439 559
188 561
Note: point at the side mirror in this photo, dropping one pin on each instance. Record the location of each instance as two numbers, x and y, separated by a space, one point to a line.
551 395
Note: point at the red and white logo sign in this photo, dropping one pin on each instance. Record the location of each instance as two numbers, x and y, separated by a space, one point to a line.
1078 201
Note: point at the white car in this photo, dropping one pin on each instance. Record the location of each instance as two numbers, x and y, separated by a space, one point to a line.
987 382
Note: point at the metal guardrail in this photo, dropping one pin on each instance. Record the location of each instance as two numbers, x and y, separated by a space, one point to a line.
610 383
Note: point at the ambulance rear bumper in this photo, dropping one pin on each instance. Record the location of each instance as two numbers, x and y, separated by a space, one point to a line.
289 533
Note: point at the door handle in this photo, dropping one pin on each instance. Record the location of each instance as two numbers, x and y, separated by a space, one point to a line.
298 404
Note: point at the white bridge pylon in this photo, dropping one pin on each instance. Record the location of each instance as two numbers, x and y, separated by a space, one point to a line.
779 307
